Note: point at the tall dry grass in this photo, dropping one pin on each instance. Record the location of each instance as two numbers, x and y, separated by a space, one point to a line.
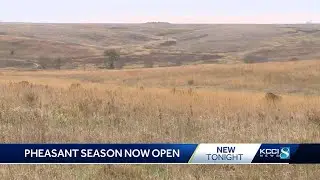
283 77
104 113
152 115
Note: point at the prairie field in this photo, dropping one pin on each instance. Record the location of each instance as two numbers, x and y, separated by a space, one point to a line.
216 103
28 45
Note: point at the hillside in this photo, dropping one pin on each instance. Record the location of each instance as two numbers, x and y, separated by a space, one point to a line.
22 44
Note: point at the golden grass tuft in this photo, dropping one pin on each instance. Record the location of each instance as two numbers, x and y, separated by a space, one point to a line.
75 86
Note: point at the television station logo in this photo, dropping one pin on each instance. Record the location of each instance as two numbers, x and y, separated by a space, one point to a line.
282 153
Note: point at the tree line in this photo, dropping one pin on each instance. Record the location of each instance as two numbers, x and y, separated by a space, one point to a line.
111 59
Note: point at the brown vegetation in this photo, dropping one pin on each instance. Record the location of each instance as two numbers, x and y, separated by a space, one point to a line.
272 97
80 44
112 107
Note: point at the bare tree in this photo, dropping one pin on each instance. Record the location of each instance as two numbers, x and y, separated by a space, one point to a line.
111 56
58 63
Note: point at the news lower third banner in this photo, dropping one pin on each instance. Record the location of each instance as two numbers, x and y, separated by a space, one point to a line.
159 153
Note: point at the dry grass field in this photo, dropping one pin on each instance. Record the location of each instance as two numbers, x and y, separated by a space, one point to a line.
189 104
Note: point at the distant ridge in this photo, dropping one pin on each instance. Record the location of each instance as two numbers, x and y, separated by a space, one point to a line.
158 22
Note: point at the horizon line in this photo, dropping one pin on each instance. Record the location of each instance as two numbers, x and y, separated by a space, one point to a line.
160 22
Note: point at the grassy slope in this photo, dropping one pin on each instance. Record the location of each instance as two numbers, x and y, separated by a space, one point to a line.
112 106
234 42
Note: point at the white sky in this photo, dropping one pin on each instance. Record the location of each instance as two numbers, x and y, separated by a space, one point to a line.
174 11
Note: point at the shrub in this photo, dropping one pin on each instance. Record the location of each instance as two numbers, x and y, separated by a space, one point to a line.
191 82
314 116
30 98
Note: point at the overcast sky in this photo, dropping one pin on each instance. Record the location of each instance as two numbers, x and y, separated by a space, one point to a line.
174 11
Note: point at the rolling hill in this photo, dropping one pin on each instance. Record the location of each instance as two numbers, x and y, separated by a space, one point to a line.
23 44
